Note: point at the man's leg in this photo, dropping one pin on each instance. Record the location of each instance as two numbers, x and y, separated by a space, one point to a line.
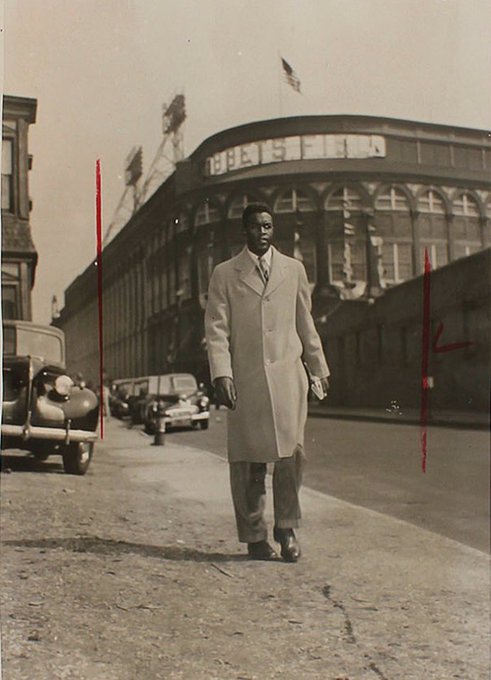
287 479
247 481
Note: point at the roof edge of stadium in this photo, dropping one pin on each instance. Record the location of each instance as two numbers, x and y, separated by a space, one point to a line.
320 124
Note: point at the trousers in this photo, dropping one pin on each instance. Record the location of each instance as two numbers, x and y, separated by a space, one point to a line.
247 482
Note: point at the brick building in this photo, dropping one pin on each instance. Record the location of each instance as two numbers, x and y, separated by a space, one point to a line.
19 256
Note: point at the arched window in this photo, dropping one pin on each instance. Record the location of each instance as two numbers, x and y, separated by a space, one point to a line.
431 203
433 229
392 224
466 229
184 274
293 200
345 237
237 206
206 213
345 198
394 200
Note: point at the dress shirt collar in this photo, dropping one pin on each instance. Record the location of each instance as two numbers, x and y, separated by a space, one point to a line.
265 258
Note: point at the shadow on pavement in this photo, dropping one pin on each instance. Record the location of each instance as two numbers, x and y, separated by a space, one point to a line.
27 463
108 546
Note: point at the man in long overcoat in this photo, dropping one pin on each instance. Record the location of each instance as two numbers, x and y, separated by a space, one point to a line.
259 333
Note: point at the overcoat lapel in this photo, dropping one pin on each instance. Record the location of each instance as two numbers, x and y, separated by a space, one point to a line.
248 273
250 276
278 273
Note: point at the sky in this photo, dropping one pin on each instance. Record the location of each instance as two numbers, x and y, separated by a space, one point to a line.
102 69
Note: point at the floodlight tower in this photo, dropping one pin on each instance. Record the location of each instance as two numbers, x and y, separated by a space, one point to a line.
133 171
173 116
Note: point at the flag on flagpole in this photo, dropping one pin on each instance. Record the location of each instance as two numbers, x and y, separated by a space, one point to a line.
291 77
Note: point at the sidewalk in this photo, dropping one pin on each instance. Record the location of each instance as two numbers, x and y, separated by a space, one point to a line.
372 597
134 572
442 418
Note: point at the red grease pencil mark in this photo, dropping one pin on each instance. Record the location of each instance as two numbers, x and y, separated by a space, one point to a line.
98 206
425 340
450 347
436 348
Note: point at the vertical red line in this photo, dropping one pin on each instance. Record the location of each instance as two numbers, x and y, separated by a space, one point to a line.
425 357
98 204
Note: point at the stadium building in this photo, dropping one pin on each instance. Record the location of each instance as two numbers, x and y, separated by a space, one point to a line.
359 200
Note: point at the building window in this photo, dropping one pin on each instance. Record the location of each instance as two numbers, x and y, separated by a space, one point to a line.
163 285
465 205
397 261
238 204
205 265
431 203
7 175
393 225
184 274
466 230
393 200
344 198
304 249
346 237
10 302
294 200
433 229
437 252
206 213
336 261
171 282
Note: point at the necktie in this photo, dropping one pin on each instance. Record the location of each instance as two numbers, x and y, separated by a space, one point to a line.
263 270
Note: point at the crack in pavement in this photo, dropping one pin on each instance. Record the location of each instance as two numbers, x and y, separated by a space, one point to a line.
373 667
348 627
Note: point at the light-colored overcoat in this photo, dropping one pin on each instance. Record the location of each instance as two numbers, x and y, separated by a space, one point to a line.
258 336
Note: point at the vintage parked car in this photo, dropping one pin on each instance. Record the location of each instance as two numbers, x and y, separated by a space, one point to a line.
121 391
175 395
43 410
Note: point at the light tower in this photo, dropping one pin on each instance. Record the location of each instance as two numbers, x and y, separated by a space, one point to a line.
163 165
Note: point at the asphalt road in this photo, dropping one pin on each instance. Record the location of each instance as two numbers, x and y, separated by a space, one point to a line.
378 466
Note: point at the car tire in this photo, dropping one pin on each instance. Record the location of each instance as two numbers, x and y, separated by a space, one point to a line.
204 424
77 457
41 452
40 457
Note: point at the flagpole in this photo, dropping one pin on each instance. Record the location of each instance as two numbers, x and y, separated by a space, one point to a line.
279 86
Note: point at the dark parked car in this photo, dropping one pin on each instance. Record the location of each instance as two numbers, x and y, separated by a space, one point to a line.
119 398
43 410
177 396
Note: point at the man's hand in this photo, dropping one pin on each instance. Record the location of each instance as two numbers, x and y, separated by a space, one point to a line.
225 392
325 384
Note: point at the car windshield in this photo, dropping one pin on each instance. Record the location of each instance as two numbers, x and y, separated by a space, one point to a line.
183 383
26 342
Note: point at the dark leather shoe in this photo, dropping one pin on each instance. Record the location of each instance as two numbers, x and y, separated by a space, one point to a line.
290 549
261 550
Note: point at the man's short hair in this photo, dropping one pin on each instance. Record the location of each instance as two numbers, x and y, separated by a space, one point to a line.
254 208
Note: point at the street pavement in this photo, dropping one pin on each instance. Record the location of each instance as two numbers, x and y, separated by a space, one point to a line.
167 592
378 465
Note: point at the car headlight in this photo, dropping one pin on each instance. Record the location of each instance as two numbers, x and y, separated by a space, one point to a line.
203 402
63 385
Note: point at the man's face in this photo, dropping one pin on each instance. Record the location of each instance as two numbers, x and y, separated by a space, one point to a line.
259 232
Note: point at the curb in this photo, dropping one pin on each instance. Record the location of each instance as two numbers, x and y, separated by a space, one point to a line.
435 421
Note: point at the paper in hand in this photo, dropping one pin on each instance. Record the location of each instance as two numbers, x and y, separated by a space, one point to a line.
317 388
